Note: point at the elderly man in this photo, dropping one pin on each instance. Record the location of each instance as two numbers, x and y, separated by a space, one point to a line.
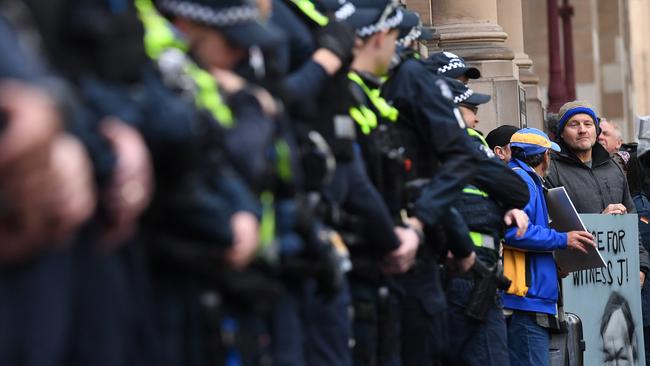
610 136
593 180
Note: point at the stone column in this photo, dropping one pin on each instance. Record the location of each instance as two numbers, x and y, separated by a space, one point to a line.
511 19
469 28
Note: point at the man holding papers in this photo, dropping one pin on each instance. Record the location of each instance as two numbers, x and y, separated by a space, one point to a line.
594 181
528 260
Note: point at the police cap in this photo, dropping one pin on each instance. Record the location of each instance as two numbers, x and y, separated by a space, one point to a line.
451 65
238 20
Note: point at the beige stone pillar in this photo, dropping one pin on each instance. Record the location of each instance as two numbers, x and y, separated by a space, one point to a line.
511 19
470 29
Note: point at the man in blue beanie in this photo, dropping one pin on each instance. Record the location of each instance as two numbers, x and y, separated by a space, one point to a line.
594 181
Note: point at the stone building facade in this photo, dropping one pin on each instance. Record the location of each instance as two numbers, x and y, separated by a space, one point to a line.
508 41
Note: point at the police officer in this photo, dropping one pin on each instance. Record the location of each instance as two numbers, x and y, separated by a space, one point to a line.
350 194
494 197
376 310
432 132
47 194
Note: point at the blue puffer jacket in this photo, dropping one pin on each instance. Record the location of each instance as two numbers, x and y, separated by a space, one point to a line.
528 261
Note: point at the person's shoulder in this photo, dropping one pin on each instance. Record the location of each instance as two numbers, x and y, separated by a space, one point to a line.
409 70
525 175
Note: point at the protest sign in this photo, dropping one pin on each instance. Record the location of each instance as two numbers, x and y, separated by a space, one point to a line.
608 299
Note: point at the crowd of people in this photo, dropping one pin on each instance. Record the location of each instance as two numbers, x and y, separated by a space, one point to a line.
280 182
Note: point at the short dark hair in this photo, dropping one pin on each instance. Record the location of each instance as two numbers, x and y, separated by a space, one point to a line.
550 122
532 160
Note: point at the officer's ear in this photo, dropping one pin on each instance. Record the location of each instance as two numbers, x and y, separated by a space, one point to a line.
379 38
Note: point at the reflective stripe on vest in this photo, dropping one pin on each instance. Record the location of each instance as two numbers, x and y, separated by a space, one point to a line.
479 239
309 9
364 117
267 223
386 110
283 160
482 240
159 37
475 191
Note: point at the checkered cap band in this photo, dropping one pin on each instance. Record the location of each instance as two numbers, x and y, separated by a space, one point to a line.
413 35
451 66
344 12
391 22
463 97
209 16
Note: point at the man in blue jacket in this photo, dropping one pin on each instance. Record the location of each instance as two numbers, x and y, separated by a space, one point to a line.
528 260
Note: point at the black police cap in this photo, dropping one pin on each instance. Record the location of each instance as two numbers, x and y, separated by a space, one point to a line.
451 65
464 95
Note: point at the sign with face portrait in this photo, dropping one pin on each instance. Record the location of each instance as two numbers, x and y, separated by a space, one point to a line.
608 299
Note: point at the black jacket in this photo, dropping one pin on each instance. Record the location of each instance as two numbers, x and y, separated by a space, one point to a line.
426 107
593 189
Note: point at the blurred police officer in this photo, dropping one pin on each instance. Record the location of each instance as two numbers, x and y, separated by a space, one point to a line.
435 142
376 311
364 220
47 193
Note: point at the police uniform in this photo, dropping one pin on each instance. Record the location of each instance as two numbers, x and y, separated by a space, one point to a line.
376 296
432 131
35 296
350 191
105 318
494 190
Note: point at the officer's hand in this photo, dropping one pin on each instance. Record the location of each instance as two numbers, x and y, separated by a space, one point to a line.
580 240
615 209
338 38
327 60
414 222
231 83
402 259
130 190
460 265
31 121
519 219
245 233
72 189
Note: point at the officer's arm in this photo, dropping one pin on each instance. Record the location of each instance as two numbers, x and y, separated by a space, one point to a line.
449 141
364 200
501 183
306 83
14 62
234 190
305 77
248 142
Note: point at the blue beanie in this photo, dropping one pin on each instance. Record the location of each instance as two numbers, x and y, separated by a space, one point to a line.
570 109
